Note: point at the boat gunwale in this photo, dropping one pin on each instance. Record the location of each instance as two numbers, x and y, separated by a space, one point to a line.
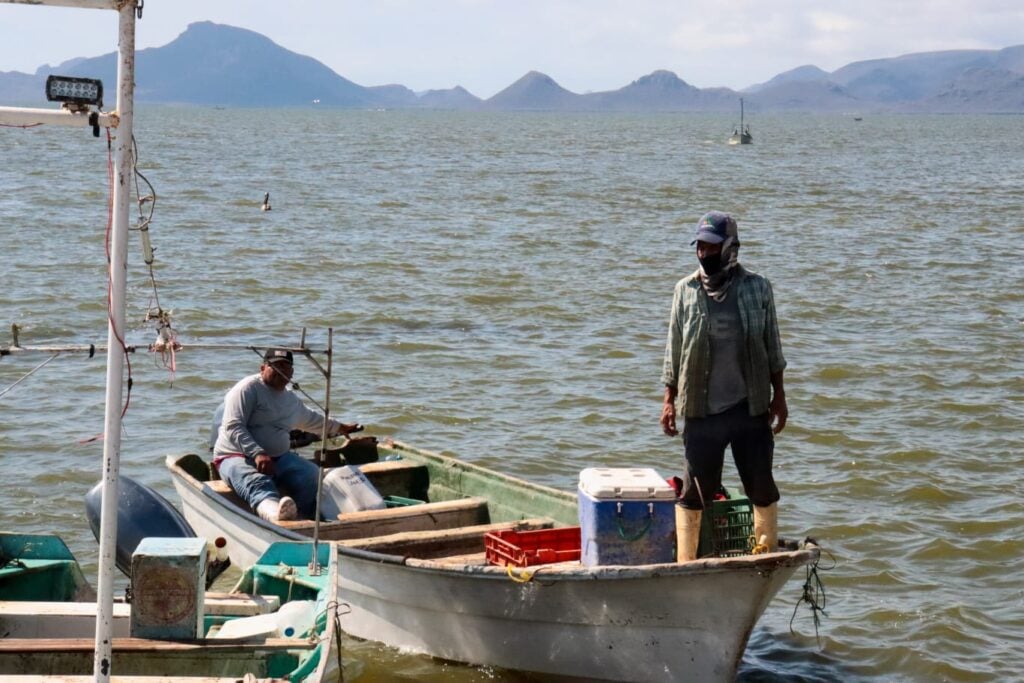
806 554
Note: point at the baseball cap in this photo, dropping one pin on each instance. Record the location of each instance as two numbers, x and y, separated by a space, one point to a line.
276 355
715 227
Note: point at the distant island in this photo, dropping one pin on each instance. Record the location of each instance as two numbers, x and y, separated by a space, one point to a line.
214 64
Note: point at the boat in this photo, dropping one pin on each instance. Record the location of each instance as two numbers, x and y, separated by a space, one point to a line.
741 135
48 617
418 576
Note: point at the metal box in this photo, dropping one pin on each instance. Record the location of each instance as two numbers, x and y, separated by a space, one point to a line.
627 516
168 588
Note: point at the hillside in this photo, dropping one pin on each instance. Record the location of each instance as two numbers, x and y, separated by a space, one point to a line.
214 64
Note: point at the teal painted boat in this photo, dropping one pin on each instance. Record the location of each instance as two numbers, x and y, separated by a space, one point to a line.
48 621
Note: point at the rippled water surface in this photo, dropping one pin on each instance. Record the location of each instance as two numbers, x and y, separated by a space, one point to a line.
499 287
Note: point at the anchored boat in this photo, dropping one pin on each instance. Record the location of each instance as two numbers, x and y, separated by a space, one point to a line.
418 577
741 135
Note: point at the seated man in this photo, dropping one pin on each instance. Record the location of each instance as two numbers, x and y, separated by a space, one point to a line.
252 452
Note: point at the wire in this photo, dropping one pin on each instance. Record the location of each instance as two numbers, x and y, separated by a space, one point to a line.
118 335
28 374
167 337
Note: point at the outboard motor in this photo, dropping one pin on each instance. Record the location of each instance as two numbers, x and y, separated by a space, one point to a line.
144 513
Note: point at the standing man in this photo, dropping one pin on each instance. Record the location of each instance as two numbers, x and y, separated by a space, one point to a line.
252 452
723 369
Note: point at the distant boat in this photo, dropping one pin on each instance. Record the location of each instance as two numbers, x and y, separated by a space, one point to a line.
741 135
858 118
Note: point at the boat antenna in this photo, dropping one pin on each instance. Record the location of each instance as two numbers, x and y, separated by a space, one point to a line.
314 562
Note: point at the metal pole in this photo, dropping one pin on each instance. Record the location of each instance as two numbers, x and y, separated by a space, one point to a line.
314 563
103 662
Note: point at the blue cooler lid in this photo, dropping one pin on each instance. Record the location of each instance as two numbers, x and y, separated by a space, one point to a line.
625 483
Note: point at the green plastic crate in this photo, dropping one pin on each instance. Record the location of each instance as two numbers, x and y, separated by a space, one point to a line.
727 528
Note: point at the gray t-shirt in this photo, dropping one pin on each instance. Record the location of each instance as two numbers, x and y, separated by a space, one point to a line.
726 384
258 419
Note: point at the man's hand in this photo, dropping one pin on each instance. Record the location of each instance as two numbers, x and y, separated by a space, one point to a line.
346 429
668 419
265 464
778 413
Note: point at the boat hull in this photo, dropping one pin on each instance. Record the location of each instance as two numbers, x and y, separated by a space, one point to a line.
688 621
623 624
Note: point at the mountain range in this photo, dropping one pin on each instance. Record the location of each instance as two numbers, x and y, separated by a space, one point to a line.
215 64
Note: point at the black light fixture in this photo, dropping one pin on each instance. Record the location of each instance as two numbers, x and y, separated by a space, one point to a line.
75 93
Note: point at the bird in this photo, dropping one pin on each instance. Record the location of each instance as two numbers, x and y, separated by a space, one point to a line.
265 206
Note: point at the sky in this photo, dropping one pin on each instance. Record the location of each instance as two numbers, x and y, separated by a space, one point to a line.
585 45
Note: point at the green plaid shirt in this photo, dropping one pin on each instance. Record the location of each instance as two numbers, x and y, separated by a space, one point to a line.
688 352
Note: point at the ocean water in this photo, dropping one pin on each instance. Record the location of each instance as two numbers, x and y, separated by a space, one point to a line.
499 287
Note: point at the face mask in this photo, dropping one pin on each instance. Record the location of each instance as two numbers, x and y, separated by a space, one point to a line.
711 263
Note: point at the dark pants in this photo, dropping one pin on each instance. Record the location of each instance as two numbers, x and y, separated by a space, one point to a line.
753 447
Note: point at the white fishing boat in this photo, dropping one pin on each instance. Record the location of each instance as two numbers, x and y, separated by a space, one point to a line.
421 578
741 135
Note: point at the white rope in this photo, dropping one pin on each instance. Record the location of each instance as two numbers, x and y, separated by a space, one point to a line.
30 372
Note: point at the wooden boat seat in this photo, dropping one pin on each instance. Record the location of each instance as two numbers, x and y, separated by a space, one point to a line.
447 514
437 543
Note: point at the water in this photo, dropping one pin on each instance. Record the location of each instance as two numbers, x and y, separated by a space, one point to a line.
500 284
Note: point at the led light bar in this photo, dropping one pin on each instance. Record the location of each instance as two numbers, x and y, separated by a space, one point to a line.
81 91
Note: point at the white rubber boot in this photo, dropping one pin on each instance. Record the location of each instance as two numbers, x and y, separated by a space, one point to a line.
766 527
687 533
287 510
268 509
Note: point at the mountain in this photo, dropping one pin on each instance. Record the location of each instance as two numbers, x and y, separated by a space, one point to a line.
812 95
806 73
996 90
453 98
945 81
216 64
21 88
663 91
535 91
223 65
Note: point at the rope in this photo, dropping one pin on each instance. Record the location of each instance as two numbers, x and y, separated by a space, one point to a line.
26 376
337 635
634 537
755 547
525 576
813 592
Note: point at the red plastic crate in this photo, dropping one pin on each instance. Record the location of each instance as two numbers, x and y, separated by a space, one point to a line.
527 548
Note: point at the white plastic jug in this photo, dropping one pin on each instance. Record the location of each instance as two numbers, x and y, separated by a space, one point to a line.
260 625
295 618
346 489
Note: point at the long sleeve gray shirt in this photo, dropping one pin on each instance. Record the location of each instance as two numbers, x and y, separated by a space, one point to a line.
258 419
